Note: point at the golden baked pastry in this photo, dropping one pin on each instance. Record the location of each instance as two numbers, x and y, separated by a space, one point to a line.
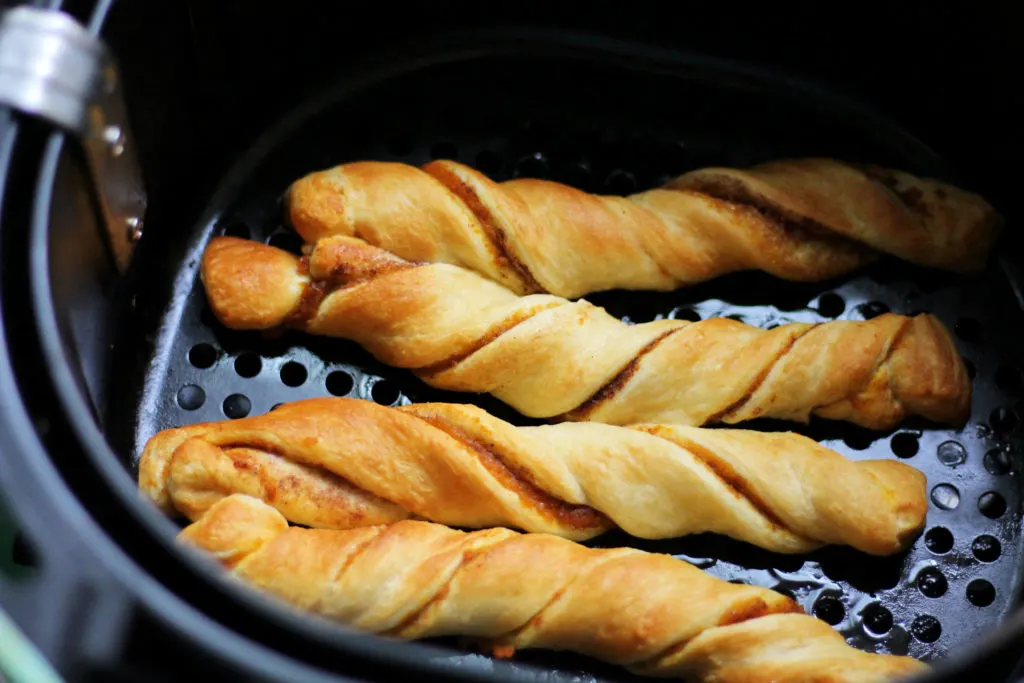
339 463
802 219
651 613
547 356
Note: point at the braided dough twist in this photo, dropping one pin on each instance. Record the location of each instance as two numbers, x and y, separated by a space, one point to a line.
805 219
652 613
339 463
547 356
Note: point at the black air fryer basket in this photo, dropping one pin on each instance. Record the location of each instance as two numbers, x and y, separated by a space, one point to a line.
230 103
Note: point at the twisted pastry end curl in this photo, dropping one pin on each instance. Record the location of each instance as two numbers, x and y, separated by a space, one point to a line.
547 356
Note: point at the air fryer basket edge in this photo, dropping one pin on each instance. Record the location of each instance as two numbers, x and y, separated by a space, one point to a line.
66 388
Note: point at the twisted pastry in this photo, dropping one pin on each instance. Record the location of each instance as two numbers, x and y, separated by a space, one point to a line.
806 219
651 613
546 356
340 463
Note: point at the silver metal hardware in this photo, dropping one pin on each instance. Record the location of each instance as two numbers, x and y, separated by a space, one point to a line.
54 69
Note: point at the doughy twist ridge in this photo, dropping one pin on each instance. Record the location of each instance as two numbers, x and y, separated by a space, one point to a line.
804 219
547 356
652 613
340 463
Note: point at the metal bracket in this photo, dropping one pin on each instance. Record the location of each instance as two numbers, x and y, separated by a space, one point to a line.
54 69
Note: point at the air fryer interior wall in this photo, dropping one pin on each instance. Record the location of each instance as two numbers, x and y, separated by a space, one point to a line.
175 118
215 75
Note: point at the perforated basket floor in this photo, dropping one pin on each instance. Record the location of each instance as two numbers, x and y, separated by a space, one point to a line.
959 579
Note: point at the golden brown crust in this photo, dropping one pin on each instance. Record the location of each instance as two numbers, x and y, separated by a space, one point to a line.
548 357
245 287
799 219
200 472
341 463
657 615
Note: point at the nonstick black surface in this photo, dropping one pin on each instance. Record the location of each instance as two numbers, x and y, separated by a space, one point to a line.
611 130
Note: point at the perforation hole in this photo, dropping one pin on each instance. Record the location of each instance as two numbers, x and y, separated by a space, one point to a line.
931 582
872 309
293 374
790 297
946 497
445 150
384 393
248 364
997 461
877 619
992 505
686 314
831 305
986 548
339 383
939 540
829 609
191 397
968 329
532 166
926 628
981 593
951 453
202 356
879 574
236 406
788 563
904 445
620 183
859 441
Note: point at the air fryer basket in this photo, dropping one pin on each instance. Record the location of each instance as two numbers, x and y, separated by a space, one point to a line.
611 120
564 121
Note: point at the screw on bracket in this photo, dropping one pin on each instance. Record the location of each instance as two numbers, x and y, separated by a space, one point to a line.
52 68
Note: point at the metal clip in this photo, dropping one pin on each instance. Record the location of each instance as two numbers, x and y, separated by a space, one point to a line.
54 69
